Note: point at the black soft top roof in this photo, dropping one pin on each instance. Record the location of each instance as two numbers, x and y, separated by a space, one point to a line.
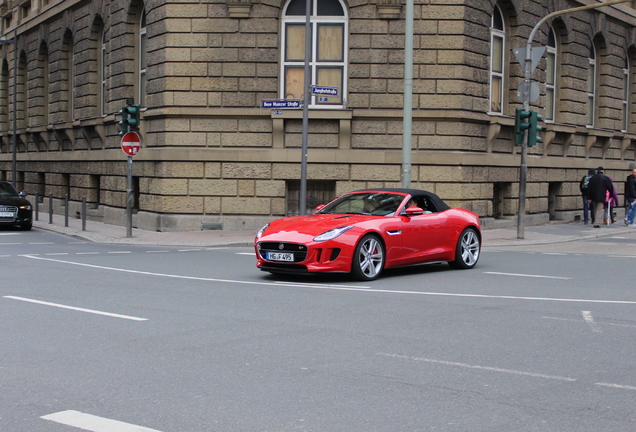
437 201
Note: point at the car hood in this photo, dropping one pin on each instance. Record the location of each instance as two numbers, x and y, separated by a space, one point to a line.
315 224
13 201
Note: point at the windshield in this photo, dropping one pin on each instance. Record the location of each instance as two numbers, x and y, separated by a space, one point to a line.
369 203
6 189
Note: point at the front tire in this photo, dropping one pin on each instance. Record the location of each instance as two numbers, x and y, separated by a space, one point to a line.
26 226
467 250
368 259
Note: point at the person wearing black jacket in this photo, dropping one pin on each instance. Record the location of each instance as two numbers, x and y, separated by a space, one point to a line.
588 208
598 187
630 198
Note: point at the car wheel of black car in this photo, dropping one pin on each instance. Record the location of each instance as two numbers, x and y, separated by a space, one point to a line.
467 250
368 259
26 226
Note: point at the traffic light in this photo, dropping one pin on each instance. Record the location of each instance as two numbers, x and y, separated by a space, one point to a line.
522 123
533 131
129 117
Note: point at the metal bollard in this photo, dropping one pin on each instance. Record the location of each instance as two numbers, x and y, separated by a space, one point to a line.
66 210
50 208
37 205
83 213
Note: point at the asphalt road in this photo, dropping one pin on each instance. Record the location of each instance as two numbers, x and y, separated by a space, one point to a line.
179 339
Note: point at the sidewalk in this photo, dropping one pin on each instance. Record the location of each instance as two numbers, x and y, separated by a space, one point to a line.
98 232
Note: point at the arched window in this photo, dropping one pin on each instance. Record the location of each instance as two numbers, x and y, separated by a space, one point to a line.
23 98
591 87
142 59
43 75
551 77
497 55
328 56
626 92
67 53
102 74
5 101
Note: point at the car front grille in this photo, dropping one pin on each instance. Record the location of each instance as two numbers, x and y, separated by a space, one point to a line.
299 250
8 213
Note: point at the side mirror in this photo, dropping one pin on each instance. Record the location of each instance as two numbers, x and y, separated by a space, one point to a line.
320 207
22 194
412 211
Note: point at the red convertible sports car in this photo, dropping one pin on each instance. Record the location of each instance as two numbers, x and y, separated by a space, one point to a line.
366 231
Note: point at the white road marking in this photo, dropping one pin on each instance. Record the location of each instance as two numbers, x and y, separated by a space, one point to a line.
554 253
587 316
339 287
88 253
76 308
527 275
93 423
578 321
8 234
41 243
621 256
10 244
485 368
157 251
246 253
188 250
119 252
619 386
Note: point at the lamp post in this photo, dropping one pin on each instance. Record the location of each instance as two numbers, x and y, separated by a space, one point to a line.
14 138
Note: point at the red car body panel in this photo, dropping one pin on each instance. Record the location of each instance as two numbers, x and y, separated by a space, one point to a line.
407 240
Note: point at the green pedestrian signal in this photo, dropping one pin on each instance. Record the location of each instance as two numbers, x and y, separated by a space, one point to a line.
129 117
533 132
522 123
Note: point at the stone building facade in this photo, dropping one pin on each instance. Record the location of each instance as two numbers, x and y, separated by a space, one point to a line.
212 158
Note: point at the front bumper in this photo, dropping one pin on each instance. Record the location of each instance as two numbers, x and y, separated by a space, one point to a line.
328 256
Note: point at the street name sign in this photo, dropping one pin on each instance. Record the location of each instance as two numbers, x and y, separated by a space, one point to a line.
324 91
281 104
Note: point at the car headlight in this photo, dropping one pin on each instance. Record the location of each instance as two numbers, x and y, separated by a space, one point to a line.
332 234
259 234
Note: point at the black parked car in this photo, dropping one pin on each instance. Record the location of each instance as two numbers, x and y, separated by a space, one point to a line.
15 210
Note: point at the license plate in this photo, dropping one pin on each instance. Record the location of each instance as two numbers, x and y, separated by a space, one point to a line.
280 256
7 214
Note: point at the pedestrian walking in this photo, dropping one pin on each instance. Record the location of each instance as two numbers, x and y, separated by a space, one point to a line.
587 206
611 202
598 187
630 198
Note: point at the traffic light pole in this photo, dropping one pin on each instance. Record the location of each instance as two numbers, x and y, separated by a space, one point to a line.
523 172
129 199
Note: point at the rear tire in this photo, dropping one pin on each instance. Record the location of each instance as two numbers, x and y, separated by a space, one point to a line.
467 250
368 259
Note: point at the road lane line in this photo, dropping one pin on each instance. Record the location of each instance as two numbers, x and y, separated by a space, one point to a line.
61 306
87 253
578 321
485 368
157 251
587 316
41 243
246 253
188 250
527 275
93 423
119 252
619 386
360 288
